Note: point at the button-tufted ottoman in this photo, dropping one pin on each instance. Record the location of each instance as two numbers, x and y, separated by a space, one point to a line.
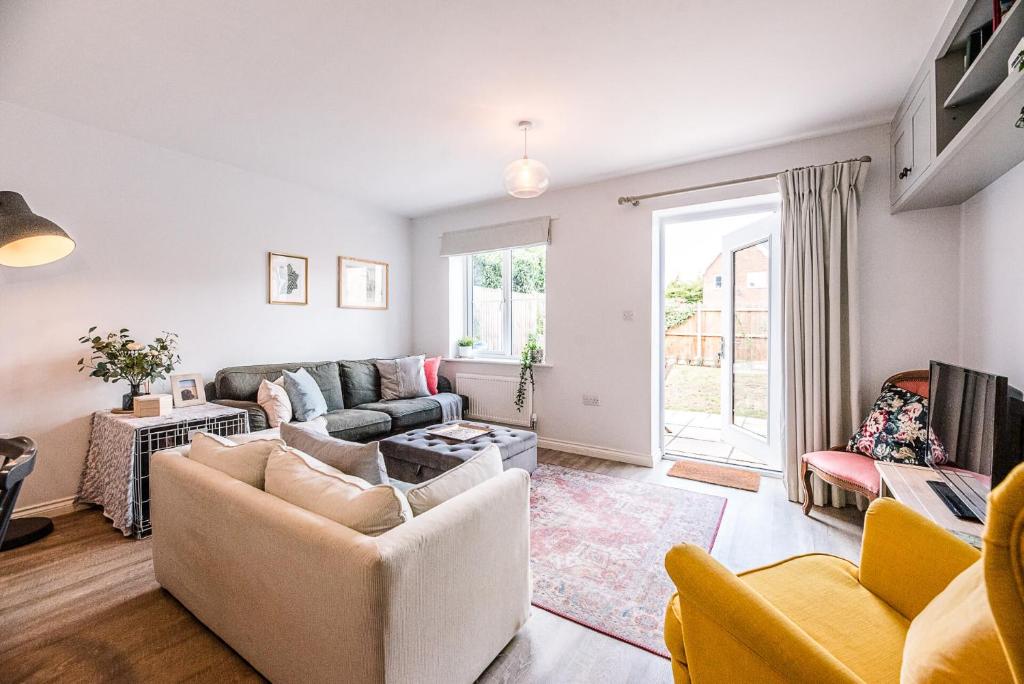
417 456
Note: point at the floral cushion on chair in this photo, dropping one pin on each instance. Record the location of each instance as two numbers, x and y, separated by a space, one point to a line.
896 429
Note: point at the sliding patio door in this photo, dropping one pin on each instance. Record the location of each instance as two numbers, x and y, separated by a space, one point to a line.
751 349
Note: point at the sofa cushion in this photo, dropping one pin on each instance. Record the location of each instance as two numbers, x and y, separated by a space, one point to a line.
352 458
360 382
243 382
847 466
307 483
245 462
407 412
449 484
357 424
954 639
273 399
305 396
402 378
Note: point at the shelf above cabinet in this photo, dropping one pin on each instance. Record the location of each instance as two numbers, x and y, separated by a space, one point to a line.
989 68
988 146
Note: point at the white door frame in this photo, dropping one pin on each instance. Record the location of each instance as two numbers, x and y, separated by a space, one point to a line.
751 204
768 448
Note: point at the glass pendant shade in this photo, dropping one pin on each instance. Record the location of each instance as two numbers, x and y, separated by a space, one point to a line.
27 239
526 178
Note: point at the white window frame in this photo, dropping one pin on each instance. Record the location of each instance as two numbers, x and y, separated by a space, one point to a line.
506 294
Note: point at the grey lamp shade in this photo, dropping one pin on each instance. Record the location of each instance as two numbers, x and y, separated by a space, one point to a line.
27 239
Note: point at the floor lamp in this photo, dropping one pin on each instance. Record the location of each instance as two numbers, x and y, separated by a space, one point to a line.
25 240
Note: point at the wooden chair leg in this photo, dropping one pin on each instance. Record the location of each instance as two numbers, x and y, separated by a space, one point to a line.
805 486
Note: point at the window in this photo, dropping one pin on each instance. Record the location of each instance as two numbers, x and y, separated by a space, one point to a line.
718 282
757 280
506 299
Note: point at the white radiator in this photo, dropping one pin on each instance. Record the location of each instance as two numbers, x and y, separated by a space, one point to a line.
492 398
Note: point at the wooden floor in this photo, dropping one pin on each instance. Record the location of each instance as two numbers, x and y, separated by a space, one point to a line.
82 605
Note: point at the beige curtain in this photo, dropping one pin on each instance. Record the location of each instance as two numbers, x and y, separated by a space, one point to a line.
820 328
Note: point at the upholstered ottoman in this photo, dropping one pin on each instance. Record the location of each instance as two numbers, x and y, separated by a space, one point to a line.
417 456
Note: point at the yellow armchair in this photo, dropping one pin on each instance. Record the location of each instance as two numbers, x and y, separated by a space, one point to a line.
819 618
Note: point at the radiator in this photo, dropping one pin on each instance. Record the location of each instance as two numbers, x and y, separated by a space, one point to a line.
492 398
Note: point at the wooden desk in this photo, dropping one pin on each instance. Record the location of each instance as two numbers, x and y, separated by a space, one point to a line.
908 485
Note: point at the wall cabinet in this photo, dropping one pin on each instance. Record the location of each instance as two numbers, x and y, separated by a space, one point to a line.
955 131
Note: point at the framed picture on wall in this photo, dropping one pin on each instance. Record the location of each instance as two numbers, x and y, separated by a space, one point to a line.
187 389
287 279
362 284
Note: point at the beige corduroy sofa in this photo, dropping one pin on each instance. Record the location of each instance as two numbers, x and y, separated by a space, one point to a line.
305 599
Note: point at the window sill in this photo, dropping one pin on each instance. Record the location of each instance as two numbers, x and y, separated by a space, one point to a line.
491 361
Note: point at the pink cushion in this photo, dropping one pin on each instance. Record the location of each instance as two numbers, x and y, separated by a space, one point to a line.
856 469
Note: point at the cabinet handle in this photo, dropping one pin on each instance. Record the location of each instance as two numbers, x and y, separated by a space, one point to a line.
905 172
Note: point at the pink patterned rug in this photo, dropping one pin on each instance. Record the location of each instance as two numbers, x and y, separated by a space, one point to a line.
598 547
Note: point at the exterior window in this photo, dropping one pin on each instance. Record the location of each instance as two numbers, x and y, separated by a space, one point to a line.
718 282
506 299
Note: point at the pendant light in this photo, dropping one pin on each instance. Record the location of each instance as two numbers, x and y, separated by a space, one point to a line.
526 178
27 239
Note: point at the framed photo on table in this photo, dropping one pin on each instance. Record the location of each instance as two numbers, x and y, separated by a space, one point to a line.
188 390
362 283
287 279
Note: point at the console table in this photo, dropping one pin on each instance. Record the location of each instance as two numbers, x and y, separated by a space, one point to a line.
908 484
116 471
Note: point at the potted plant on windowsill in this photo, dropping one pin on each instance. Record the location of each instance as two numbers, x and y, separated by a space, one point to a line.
532 354
464 347
119 357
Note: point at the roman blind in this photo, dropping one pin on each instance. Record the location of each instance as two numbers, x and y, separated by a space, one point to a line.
525 233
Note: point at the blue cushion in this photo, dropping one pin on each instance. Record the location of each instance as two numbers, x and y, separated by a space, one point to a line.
307 400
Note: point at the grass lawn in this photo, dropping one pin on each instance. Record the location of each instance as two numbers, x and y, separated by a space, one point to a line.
699 389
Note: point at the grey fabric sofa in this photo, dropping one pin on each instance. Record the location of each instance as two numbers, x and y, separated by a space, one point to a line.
355 411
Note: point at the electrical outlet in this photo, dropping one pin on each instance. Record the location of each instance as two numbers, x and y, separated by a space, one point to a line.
627 315
591 400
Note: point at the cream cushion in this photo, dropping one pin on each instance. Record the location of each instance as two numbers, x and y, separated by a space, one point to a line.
954 639
273 399
246 462
315 486
451 483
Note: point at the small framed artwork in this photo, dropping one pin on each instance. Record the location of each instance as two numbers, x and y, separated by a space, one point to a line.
187 389
287 279
362 284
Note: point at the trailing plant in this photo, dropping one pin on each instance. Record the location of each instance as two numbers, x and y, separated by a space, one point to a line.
119 357
532 353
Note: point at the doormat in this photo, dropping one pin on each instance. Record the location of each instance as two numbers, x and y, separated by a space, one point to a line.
716 474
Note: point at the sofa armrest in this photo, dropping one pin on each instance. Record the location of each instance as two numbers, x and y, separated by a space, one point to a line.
296 594
732 633
906 559
443 384
457 579
257 416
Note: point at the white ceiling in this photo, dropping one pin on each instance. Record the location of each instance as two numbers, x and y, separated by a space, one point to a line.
411 104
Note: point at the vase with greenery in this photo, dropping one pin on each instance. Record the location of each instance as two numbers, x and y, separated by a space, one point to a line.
465 347
119 357
532 354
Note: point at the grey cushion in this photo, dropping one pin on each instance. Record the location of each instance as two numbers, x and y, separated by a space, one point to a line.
360 382
416 455
402 378
362 460
307 400
257 416
243 382
407 412
356 424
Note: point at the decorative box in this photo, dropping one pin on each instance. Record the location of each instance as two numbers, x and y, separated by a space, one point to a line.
152 405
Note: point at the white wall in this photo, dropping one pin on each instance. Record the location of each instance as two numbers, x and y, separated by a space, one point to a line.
600 264
167 241
992 278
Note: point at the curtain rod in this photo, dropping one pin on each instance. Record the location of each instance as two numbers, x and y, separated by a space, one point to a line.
636 199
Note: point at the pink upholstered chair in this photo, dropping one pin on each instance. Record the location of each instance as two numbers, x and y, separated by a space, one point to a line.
852 471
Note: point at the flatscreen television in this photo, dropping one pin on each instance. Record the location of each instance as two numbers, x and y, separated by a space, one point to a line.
975 423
